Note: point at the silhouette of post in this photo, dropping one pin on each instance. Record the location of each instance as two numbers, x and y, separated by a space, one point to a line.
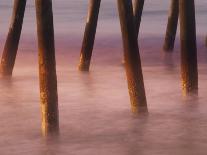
132 57
137 10
171 26
47 67
206 41
89 35
189 68
13 37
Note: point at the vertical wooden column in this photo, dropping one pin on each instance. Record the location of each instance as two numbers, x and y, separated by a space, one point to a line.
189 67
47 67
171 26
89 35
132 57
138 9
13 37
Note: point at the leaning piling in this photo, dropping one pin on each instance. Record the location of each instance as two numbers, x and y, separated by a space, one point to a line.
189 68
47 67
171 26
137 10
13 37
89 35
132 57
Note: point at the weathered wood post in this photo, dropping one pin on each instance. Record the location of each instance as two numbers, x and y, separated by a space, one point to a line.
89 35
171 26
137 10
132 57
13 37
206 41
189 67
47 67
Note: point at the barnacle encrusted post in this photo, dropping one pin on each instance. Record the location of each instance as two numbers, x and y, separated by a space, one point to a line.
47 67
13 37
89 35
189 66
132 57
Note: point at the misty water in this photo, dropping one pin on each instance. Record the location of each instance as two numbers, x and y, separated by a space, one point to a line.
94 107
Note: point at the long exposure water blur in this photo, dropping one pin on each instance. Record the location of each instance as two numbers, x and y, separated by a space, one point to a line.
94 107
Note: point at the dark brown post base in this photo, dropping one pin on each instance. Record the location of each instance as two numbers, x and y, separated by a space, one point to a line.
189 68
89 36
13 37
132 57
47 67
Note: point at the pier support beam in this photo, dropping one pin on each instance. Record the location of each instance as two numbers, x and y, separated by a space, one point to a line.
47 67
89 35
132 57
171 26
13 37
137 10
189 67
206 41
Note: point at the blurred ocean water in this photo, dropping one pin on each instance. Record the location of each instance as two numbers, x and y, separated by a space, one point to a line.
69 17
94 107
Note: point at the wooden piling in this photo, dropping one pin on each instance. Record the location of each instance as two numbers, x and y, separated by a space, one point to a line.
132 57
137 10
89 35
206 41
171 26
13 37
189 68
47 67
